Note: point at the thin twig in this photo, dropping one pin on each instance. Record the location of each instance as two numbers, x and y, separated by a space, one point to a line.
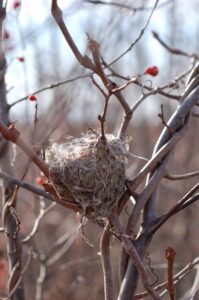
58 16
102 118
173 50
169 255
25 185
106 265
174 209
34 230
138 37
180 275
155 160
125 6
131 250
182 176
162 117
51 86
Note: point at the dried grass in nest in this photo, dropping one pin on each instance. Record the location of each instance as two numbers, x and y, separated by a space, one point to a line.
90 171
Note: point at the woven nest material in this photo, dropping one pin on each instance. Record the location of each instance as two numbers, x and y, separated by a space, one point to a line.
89 171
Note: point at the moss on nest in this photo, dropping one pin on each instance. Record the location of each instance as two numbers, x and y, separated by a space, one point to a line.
89 170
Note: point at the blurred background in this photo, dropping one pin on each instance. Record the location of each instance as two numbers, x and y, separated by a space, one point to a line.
64 264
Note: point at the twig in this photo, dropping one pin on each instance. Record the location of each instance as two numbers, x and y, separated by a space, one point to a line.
138 37
155 160
41 277
182 176
11 292
116 4
94 48
25 185
159 89
106 265
34 230
98 87
62 240
180 275
65 246
35 122
58 16
125 6
111 86
131 250
11 134
174 209
142 199
87 260
173 50
51 86
102 118
162 117
169 255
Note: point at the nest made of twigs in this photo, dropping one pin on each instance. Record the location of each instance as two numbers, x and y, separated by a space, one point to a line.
89 171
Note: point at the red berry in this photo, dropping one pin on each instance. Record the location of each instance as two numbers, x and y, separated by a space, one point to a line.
40 180
32 98
153 71
16 4
6 35
20 58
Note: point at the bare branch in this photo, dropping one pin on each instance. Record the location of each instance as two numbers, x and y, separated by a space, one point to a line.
131 250
11 134
180 275
42 213
125 6
182 176
26 186
138 38
48 87
106 265
58 16
169 255
173 50
179 206
154 161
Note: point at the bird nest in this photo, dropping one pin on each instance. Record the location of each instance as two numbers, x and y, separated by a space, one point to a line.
89 171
